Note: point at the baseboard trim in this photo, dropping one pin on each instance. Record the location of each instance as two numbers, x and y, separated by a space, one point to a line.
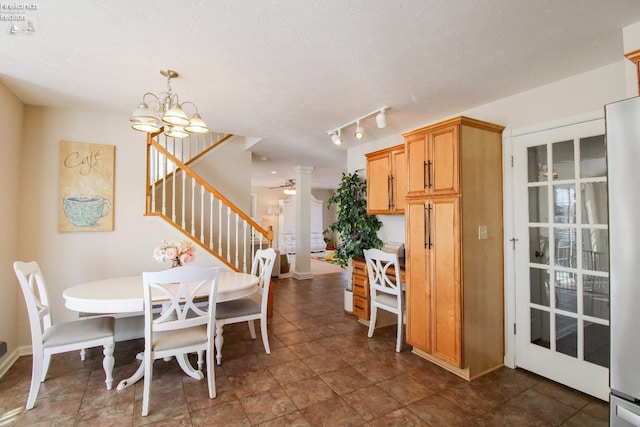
10 358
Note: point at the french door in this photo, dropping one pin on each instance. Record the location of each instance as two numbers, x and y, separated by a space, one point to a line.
562 256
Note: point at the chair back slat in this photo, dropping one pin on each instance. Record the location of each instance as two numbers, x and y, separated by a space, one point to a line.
177 290
262 267
36 297
380 278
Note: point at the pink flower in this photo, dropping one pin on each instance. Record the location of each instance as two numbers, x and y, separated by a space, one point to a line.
177 251
171 253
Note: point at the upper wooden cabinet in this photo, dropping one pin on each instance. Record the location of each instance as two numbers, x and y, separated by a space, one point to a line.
386 181
635 58
432 155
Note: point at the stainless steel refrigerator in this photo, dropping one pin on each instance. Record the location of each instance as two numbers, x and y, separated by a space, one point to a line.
623 164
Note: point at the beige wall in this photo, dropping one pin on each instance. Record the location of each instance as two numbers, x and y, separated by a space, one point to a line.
12 113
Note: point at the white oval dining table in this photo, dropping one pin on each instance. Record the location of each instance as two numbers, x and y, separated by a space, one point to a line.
126 295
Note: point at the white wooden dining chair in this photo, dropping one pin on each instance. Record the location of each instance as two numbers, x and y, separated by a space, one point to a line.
182 326
385 289
251 308
49 338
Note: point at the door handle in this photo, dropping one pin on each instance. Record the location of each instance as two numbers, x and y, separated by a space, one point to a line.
389 194
429 243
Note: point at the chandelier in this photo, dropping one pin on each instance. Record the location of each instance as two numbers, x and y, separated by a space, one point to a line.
165 111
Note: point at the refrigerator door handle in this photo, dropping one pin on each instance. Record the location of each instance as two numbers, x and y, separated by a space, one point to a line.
627 415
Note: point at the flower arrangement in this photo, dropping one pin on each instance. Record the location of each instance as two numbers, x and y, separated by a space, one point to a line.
177 251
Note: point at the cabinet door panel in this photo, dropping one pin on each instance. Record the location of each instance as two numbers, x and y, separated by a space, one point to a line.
400 181
445 276
378 190
418 291
443 166
416 151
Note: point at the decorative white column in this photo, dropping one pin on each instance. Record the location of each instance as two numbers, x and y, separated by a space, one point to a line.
302 268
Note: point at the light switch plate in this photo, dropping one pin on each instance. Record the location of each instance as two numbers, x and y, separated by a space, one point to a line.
483 232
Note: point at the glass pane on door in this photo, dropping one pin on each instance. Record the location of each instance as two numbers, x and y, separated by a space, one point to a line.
596 344
592 157
567 335
540 328
569 248
537 160
539 245
563 160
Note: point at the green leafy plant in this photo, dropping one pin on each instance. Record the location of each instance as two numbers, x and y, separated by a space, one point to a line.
358 230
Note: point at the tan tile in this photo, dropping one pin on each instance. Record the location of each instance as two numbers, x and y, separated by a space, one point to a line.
159 409
333 412
376 370
295 337
308 392
267 405
405 389
252 382
582 419
399 418
345 380
542 406
291 372
371 402
308 349
294 419
474 399
508 416
438 411
241 365
227 414
562 393
114 415
51 409
278 356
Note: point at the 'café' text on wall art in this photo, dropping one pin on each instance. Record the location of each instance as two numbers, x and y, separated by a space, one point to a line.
86 187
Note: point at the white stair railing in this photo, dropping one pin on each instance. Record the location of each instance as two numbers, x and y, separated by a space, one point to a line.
196 208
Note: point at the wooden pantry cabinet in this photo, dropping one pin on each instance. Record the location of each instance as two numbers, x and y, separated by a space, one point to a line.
386 181
454 252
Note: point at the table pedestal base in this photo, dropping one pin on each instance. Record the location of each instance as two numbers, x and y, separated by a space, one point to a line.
183 361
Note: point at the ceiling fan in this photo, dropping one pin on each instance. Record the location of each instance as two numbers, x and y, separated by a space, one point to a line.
289 187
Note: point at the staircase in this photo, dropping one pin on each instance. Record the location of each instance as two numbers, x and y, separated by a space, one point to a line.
178 195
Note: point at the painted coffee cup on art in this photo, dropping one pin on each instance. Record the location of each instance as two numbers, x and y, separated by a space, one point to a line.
85 211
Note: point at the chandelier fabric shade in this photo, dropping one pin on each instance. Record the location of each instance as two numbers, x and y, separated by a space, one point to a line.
164 110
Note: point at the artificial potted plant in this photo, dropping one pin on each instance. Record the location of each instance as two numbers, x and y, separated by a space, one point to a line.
356 229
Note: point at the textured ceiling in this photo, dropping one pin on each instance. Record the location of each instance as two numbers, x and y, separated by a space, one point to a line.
287 71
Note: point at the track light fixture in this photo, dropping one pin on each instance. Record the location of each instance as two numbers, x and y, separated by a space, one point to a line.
336 138
381 122
359 133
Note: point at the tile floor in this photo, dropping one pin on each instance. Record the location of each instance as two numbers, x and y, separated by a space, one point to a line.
322 371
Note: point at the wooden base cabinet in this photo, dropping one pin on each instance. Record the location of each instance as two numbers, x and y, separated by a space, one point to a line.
454 252
360 287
